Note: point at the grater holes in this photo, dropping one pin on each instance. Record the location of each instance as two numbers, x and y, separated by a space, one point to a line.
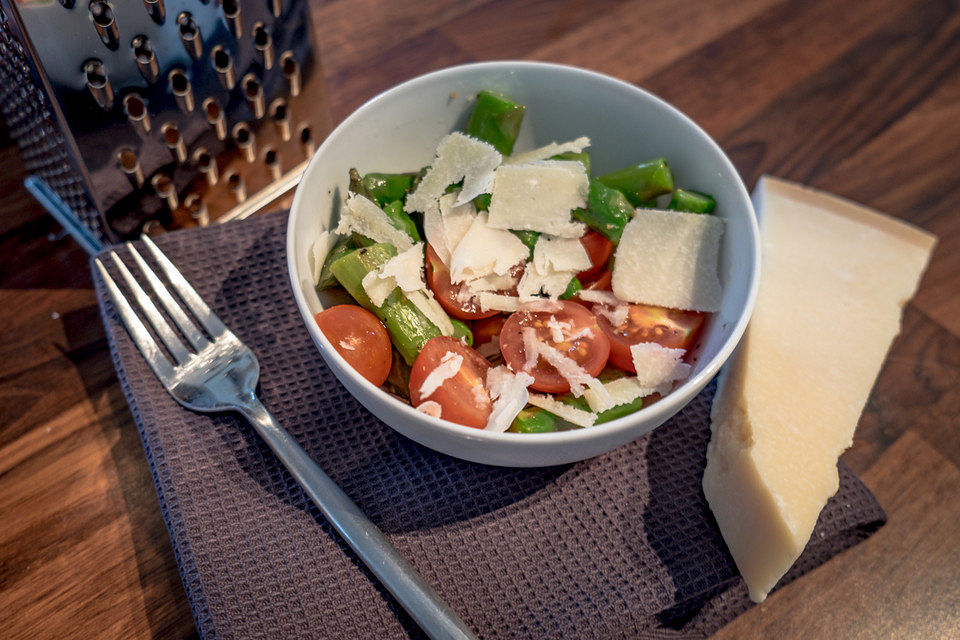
136 110
130 165
253 91
156 10
190 34
244 138
104 22
182 91
263 43
98 83
214 115
231 12
222 63
174 141
291 71
146 57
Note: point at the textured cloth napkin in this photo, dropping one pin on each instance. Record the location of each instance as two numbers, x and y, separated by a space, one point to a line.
619 546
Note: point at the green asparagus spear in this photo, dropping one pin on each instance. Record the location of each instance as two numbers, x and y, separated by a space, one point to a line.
409 329
692 201
462 331
583 158
402 220
384 188
572 289
339 249
496 119
642 182
482 202
533 420
608 211
604 416
528 238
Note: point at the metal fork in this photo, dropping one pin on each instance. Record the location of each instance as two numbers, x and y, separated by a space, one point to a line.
220 373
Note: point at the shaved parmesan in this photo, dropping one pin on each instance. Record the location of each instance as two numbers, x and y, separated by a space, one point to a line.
603 297
555 262
377 288
619 392
498 302
658 366
669 259
361 215
573 415
444 224
424 301
347 346
448 367
617 315
509 393
556 328
484 250
552 284
550 150
318 252
459 157
431 408
573 373
539 196
406 268
560 254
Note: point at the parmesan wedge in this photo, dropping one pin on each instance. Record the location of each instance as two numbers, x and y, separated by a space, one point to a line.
834 281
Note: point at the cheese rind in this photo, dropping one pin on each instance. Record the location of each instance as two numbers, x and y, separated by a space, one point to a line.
834 280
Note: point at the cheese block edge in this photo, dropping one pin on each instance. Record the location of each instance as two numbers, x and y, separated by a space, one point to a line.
762 528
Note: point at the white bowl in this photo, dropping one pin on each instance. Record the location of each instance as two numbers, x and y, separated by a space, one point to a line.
399 131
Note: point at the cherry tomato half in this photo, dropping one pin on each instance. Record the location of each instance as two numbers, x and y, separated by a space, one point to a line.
604 282
582 340
485 329
446 291
463 398
645 323
360 338
599 250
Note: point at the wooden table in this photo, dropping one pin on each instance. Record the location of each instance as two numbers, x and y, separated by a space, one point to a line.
858 98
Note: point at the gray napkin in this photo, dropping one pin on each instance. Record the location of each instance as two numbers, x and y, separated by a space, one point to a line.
619 546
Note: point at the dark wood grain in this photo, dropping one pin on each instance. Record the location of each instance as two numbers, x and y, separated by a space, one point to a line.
858 98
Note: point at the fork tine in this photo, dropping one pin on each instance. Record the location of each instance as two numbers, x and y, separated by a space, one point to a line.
187 293
160 325
138 332
197 340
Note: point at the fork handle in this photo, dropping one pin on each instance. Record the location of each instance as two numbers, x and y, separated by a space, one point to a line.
419 599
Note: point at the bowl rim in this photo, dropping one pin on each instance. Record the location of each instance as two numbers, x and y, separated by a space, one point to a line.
662 409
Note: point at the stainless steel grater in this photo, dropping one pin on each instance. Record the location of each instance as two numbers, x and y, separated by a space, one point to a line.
141 115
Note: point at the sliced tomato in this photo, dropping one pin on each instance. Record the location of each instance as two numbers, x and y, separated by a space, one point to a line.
462 397
581 340
645 323
599 248
360 338
485 329
604 282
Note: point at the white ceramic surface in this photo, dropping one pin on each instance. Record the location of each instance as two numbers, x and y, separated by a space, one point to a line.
399 130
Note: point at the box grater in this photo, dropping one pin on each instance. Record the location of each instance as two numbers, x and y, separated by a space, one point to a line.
141 115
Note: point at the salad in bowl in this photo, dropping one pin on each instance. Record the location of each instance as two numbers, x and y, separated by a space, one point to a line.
522 263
